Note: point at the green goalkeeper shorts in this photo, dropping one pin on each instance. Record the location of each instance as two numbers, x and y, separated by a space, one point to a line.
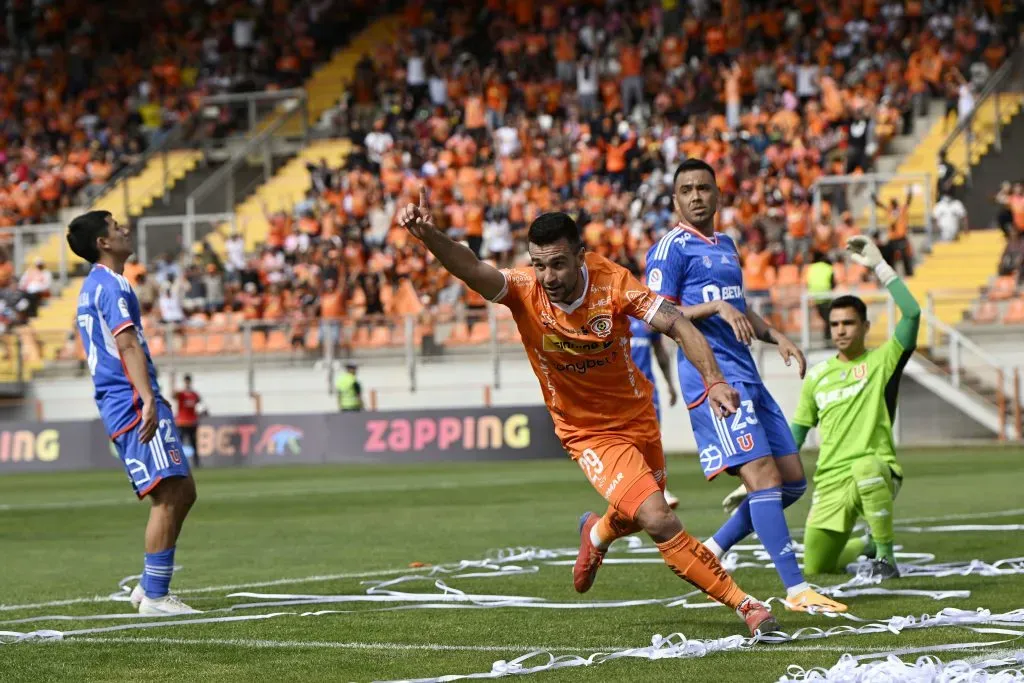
837 506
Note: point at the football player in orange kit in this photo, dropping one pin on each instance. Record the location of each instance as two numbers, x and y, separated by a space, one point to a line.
572 309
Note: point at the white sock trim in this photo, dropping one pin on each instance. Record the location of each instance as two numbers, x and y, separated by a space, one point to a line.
797 589
596 540
714 547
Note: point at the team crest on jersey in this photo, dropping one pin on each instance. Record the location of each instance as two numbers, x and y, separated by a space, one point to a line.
654 279
172 453
745 442
860 371
601 324
707 261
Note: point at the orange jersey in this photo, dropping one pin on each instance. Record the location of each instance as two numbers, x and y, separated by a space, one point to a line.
580 353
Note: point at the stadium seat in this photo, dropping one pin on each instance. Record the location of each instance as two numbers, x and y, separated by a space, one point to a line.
361 336
839 273
195 344
215 343
258 339
480 332
157 344
380 336
987 313
1003 288
278 340
458 336
1015 312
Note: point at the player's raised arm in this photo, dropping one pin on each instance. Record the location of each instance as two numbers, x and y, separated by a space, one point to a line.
864 252
458 260
668 320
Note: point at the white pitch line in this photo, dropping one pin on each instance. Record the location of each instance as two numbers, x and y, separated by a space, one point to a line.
439 647
270 644
267 493
387 572
225 587
1012 653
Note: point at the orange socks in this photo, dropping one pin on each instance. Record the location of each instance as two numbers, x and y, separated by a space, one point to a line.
694 563
611 526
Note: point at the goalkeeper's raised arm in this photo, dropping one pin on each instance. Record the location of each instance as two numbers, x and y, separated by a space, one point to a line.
866 253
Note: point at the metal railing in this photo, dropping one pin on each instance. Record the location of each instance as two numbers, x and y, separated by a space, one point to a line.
873 182
1007 79
183 227
185 133
261 145
25 238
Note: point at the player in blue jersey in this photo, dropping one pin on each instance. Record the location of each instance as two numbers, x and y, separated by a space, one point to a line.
644 343
138 419
699 269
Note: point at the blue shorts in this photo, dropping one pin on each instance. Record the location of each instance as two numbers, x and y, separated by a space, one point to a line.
149 463
758 429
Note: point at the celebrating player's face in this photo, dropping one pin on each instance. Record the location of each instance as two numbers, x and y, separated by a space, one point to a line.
696 197
557 267
848 330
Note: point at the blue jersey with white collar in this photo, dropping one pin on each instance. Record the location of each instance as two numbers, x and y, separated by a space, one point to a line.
688 268
107 305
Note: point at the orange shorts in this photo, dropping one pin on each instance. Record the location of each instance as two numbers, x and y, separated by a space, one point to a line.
624 468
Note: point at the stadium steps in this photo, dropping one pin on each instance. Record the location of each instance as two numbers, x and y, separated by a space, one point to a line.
47 332
324 86
991 171
966 264
924 157
285 189
247 178
974 385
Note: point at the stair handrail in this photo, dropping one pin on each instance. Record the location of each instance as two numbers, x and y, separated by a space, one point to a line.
991 88
225 175
876 181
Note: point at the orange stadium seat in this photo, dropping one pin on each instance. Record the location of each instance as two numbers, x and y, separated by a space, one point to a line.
458 336
195 344
381 336
988 312
1015 312
259 341
788 276
1004 288
277 340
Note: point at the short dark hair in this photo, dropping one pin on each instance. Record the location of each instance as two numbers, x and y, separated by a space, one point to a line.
693 164
84 231
550 227
850 301
188 377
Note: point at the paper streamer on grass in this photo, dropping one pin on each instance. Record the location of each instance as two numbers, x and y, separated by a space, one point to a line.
924 669
678 646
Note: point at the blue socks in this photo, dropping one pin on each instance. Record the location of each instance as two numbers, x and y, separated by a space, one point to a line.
740 525
770 525
156 573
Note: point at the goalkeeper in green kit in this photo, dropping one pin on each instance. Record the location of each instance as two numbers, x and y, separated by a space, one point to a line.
851 398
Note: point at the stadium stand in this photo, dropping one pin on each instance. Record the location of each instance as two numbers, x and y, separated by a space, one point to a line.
509 109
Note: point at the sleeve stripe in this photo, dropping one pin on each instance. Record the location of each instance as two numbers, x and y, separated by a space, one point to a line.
504 289
122 327
649 315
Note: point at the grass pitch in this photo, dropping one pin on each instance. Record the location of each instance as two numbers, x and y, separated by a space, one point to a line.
67 538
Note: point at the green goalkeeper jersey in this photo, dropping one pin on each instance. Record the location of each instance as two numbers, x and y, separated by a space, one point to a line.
853 402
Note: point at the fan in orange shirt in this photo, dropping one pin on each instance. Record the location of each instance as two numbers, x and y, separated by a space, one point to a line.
573 311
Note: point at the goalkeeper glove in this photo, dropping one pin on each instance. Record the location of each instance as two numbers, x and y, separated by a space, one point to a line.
865 252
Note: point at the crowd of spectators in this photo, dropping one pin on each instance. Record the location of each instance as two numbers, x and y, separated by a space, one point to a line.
86 87
509 109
